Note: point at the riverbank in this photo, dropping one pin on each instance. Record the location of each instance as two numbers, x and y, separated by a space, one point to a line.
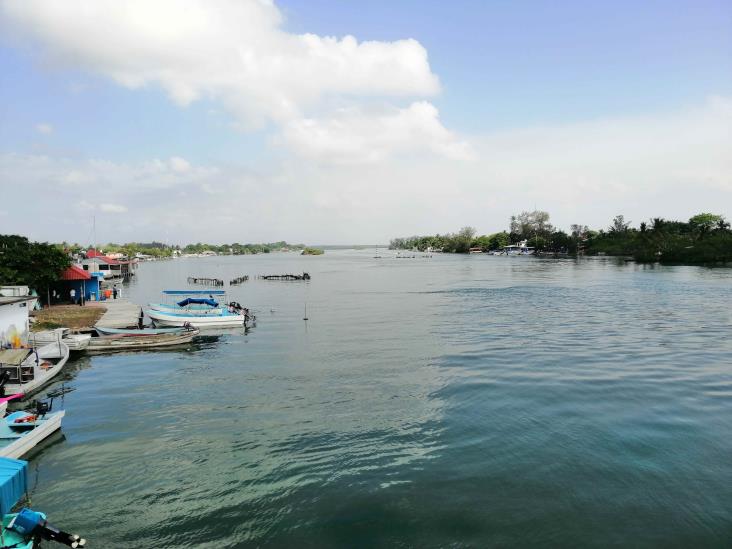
68 316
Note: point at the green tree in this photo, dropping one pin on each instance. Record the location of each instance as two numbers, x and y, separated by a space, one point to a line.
703 223
619 225
528 225
34 264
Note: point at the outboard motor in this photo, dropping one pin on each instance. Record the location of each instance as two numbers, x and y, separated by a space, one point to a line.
42 407
34 524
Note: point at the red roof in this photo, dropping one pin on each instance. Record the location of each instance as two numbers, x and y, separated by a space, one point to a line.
75 273
92 253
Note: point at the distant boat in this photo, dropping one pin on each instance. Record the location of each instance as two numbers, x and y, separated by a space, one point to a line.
28 370
519 249
475 250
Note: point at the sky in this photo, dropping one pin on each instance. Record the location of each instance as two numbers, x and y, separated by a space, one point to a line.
338 122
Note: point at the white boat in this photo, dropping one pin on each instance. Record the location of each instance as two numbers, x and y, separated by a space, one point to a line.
175 312
21 431
28 370
519 249
223 320
198 310
75 342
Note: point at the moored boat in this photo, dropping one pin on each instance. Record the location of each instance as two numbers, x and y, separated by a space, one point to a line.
519 249
136 342
223 320
21 431
138 331
75 342
178 313
27 370
198 310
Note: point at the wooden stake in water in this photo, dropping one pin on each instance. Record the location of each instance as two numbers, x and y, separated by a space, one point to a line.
306 312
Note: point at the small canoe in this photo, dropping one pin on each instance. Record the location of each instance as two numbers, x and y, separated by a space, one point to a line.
123 342
138 332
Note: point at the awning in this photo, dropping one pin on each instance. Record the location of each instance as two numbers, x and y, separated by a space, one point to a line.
197 301
194 292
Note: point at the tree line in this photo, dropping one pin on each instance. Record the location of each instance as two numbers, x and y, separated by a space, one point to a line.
160 250
705 238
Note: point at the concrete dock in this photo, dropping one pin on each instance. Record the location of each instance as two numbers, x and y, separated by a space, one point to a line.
120 313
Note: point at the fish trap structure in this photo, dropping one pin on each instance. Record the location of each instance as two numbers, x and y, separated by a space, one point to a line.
205 281
291 277
239 280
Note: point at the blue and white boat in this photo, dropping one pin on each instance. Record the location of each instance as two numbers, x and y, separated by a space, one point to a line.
195 302
179 314
25 529
21 431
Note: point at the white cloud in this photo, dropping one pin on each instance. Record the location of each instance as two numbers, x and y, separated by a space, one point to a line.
45 129
180 165
112 208
670 165
360 136
233 51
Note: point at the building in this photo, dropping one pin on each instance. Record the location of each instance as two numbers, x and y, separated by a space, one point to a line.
14 321
85 283
109 267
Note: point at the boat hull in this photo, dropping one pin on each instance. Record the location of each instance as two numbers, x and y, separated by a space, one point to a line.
140 343
162 318
139 332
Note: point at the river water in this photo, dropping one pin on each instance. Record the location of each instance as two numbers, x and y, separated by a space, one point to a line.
472 401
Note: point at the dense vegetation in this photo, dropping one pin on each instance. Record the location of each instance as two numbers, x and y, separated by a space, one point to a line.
705 238
312 251
160 250
33 264
240 249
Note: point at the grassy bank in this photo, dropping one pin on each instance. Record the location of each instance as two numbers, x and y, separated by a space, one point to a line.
69 316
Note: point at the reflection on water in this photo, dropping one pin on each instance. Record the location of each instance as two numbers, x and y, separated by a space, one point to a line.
459 400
